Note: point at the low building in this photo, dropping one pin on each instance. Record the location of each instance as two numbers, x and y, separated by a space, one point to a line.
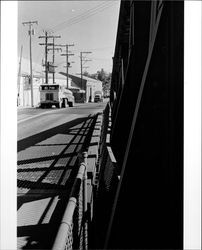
24 86
84 88
24 97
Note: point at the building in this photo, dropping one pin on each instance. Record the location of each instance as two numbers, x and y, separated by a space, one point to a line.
24 86
84 89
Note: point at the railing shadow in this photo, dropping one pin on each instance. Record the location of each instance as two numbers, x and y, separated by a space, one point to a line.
64 128
44 183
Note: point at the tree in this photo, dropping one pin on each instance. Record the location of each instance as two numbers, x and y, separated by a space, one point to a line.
101 75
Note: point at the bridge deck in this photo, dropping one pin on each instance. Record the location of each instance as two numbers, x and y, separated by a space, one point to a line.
46 171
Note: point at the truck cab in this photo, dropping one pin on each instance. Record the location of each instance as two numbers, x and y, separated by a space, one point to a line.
98 97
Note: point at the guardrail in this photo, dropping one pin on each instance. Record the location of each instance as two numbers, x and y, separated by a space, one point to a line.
73 231
108 180
95 184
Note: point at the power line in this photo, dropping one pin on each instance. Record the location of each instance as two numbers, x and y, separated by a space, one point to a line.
85 17
81 17
78 16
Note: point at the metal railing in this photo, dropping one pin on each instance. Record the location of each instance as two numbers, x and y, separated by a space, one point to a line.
73 230
106 184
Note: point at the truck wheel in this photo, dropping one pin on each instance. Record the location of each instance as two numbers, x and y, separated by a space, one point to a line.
71 104
65 103
59 105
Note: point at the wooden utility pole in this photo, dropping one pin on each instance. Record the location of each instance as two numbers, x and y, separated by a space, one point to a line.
81 70
19 75
83 60
67 54
42 64
46 52
53 49
31 32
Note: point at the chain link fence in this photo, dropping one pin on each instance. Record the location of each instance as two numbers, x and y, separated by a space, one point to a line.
107 182
73 230
72 234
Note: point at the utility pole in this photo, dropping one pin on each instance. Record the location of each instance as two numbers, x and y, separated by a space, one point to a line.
46 52
53 49
31 32
83 60
67 54
42 64
19 74
81 70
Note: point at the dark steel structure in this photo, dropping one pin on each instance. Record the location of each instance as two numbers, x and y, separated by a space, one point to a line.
146 101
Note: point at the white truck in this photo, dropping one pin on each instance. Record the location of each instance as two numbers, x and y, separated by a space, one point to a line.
55 94
98 96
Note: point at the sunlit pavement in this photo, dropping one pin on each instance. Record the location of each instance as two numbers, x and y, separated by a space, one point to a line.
45 173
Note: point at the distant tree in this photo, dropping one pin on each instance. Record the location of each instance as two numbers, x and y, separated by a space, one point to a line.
107 84
101 75
108 78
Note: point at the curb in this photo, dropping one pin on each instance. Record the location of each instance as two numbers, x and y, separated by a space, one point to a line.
92 160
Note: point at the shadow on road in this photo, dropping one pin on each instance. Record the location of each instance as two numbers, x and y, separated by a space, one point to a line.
29 141
45 179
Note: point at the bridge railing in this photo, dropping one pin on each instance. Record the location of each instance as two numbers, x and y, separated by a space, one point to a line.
107 182
73 231
94 187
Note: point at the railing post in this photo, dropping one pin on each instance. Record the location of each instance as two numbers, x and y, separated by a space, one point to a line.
64 238
65 229
85 199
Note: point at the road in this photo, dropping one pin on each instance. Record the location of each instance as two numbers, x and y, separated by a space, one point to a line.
35 120
48 144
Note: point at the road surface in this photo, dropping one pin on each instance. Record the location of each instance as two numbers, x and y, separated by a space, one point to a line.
35 120
48 144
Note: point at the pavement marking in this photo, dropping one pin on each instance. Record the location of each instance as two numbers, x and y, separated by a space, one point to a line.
51 111
31 117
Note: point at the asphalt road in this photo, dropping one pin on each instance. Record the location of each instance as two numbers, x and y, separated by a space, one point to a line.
48 145
35 120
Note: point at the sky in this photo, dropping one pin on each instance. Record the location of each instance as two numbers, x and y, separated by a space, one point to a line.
90 25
